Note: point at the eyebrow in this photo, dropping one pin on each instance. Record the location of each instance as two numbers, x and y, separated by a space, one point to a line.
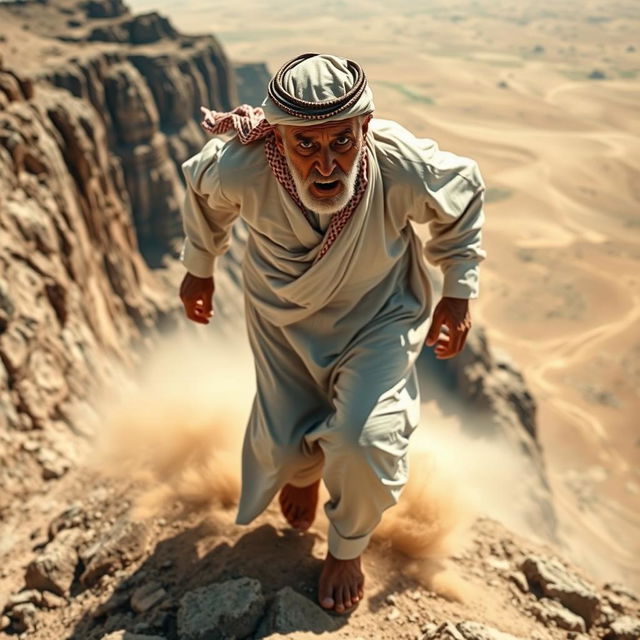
301 136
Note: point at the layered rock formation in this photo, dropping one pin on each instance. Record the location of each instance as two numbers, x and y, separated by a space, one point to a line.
74 290
146 83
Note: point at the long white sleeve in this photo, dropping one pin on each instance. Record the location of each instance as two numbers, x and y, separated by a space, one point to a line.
454 209
207 214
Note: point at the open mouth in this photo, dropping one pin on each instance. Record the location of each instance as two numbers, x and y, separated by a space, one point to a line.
327 188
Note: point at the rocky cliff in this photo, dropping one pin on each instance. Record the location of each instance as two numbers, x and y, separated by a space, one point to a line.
91 139
73 286
146 83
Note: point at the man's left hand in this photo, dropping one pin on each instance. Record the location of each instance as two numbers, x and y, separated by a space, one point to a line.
453 315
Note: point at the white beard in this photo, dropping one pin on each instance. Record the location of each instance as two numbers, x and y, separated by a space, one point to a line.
326 206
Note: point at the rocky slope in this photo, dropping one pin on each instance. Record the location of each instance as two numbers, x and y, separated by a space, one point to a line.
90 573
94 128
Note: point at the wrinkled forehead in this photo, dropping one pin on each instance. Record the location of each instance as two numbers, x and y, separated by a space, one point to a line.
332 128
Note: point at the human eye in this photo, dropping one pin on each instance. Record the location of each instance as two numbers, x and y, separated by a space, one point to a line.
343 140
305 144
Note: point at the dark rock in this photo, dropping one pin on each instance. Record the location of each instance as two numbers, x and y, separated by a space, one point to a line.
223 610
624 628
54 568
291 611
552 612
105 8
147 596
127 635
141 29
121 546
548 577
23 617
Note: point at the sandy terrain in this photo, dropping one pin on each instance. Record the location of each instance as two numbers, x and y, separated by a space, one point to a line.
508 83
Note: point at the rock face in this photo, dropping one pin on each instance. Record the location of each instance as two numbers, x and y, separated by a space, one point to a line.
252 80
147 89
90 150
73 286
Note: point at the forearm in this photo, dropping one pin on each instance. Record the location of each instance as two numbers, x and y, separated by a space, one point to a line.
207 216
456 247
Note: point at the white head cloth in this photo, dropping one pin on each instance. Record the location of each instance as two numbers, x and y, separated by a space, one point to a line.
317 87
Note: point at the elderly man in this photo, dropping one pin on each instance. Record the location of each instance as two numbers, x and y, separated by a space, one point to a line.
337 295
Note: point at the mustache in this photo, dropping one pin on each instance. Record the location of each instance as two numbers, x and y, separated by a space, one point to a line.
336 174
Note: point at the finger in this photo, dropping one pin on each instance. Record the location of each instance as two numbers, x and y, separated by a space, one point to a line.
192 314
434 331
459 341
203 309
443 348
453 348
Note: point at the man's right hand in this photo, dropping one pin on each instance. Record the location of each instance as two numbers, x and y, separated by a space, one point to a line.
197 296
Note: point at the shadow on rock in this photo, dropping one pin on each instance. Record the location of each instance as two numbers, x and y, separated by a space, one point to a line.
193 586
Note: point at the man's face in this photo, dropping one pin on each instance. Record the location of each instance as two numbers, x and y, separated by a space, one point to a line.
323 160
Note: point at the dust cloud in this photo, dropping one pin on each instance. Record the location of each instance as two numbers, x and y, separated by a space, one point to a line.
176 431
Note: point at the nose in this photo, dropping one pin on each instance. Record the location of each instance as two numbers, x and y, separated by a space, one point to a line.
325 162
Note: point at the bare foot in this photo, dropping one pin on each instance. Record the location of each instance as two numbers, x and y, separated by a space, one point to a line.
298 505
341 584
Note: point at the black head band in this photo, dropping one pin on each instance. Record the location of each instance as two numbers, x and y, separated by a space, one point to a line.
315 110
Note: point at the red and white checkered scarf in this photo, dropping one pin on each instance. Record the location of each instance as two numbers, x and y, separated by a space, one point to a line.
251 126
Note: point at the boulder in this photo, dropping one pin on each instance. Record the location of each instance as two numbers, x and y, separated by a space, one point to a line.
552 612
290 612
548 577
55 566
624 628
221 610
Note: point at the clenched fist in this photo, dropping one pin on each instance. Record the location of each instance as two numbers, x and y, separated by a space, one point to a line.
453 315
197 297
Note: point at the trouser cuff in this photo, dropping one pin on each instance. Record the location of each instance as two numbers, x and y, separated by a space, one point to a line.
306 476
346 548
